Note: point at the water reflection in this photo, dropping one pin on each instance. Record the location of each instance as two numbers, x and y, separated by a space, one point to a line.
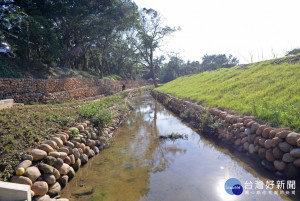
139 166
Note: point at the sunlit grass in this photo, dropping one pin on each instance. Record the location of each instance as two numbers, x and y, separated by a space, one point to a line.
269 90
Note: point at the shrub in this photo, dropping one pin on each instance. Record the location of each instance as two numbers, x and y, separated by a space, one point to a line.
74 132
7 71
63 121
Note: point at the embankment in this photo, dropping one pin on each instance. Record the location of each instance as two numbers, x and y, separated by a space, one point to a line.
268 90
48 166
54 90
278 150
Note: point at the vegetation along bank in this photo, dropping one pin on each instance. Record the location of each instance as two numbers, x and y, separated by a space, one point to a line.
50 142
262 109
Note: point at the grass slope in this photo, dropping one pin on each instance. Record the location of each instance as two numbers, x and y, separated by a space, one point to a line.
269 90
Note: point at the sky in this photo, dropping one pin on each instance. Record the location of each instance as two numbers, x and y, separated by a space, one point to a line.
262 28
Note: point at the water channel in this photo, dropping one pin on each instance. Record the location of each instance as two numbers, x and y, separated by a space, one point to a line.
139 166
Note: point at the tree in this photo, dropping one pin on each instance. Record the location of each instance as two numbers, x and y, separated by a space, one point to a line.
293 52
212 62
150 34
123 58
121 18
176 67
64 32
157 66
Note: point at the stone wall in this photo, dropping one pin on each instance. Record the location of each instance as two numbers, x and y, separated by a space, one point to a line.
278 150
7 103
49 168
47 90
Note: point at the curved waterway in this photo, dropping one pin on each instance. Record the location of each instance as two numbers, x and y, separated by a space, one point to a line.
139 166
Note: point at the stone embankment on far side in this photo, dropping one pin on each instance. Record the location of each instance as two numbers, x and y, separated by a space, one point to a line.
277 149
52 90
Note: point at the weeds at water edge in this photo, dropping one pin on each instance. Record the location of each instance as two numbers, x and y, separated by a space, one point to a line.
173 136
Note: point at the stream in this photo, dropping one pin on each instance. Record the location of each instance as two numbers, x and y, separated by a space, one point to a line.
138 166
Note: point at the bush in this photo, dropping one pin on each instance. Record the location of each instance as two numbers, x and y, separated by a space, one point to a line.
293 52
63 121
98 113
74 133
7 71
206 122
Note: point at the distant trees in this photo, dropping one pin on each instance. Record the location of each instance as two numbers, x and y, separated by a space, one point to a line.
293 52
215 61
176 67
172 70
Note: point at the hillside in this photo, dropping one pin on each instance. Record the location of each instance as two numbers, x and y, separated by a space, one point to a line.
268 90
15 68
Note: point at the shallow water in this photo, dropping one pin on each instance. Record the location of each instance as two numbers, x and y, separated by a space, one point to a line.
140 167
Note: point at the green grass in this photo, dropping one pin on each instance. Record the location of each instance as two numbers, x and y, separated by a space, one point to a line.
269 90
100 113
113 77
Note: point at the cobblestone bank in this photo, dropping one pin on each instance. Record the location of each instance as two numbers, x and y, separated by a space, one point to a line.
47 90
278 150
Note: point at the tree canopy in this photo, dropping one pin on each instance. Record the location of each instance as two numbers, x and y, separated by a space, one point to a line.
176 67
293 52
212 62
74 34
100 36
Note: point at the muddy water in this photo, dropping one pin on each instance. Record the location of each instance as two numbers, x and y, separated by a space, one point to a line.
140 167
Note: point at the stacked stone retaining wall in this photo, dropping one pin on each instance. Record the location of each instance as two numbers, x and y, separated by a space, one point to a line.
47 90
277 149
48 168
